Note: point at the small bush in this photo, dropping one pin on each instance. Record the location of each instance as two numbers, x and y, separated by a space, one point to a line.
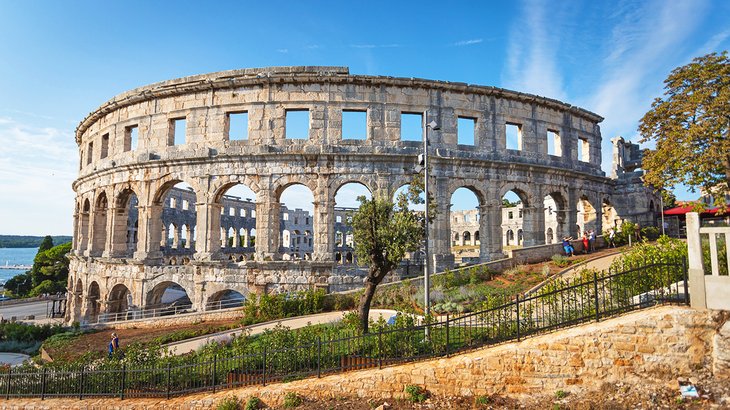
416 394
560 394
253 403
229 403
483 401
561 261
292 400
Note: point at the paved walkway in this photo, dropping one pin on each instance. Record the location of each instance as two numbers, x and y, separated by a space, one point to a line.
190 345
599 263
13 359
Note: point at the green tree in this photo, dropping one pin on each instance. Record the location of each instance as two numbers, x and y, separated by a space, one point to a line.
690 127
50 264
383 233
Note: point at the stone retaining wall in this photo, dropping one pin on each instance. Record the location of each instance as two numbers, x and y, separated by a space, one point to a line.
652 347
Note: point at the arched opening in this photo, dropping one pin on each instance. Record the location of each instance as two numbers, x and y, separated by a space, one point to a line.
237 216
119 299
225 299
126 224
100 220
179 218
93 303
84 226
346 202
556 212
610 216
477 241
513 203
464 218
414 260
586 215
296 216
520 239
168 297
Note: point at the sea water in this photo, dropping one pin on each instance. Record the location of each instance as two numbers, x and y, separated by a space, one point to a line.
15 256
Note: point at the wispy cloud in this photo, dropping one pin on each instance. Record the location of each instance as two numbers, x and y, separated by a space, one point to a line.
37 166
531 56
313 47
375 45
468 42
282 50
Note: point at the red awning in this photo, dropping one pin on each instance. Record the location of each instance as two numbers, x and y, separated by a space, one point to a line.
683 210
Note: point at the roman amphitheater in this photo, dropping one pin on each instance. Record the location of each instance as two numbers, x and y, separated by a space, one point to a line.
140 232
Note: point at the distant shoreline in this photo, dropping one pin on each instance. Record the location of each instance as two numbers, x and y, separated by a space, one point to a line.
29 241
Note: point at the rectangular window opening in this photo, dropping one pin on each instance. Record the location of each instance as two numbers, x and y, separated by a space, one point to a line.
465 128
513 136
297 124
553 143
177 131
185 205
232 211
411 126
237 126
89 153
583 150
130 138
104 146
354 125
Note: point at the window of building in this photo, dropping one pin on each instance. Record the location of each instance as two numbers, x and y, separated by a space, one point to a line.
253 213
237 126
232 211
466 218
583 150
173 202
89 153
465 128
185 205
296 220
519 214
509 215
130 138
338 219
553 143
297 124
243 213
513 136
177 130
354 125
286 216
104 146
411 126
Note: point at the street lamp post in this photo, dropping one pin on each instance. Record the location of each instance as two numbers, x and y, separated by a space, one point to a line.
427 262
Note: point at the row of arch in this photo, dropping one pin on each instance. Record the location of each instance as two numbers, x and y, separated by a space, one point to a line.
106 229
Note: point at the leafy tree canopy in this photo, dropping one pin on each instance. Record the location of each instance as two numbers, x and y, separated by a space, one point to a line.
384 232
690 127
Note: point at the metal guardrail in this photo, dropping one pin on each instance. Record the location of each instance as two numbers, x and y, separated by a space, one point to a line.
589 299
165 310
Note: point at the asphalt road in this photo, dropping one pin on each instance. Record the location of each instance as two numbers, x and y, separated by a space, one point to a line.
21 311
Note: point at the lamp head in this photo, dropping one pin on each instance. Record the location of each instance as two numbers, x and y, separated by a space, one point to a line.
433 125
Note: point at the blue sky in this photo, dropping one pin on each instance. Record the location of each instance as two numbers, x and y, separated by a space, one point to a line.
60 60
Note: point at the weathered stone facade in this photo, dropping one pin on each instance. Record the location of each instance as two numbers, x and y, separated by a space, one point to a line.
114 173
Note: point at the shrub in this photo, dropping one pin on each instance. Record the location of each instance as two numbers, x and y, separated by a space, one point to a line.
229 403
561 260
560 394
253 403
292 400
483 401
416 394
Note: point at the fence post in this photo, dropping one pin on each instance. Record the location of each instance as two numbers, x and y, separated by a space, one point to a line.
686 280
124 377
7 390
380 348
696 270
264 375
168 381
447 335
595 294
319 356
81 384
43 384
215 368
517 306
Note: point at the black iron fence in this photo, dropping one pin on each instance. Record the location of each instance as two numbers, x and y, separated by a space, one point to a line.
591 297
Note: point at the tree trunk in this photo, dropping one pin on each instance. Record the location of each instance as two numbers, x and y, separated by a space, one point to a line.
364 308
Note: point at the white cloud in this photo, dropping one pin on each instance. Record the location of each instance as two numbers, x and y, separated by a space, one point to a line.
37 167
532 52
368 46
468 42
643 44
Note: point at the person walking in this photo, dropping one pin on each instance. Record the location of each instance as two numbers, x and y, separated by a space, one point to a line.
592 240
113 345
585 243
